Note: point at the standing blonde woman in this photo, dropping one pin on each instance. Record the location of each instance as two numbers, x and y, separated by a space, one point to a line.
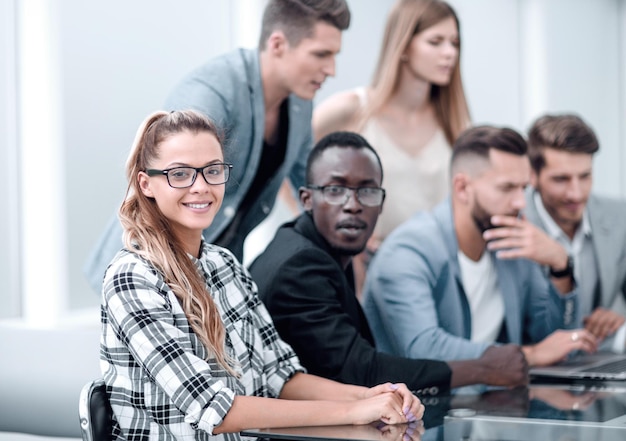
188 350
411 113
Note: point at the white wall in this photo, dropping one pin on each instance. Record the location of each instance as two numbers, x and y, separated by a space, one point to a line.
9 220
581 72
119 59
89 72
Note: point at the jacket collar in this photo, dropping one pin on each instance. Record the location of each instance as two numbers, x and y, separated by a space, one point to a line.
304 225
445 221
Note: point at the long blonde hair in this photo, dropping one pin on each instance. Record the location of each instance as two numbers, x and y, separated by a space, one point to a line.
148 233
407 19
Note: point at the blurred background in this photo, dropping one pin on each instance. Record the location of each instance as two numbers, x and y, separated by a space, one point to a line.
77 78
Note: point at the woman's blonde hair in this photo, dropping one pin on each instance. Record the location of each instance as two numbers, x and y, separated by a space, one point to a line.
407 19
148 233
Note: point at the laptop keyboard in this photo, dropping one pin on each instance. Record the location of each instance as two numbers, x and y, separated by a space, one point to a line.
614 367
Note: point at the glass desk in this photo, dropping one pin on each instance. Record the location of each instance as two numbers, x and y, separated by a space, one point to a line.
528 430
543 411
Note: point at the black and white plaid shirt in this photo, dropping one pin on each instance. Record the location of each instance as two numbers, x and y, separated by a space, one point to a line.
154 366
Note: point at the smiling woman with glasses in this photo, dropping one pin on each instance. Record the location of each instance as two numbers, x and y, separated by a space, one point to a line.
183 330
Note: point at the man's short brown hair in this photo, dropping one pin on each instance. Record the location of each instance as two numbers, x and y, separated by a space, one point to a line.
567 132
476 142
296 18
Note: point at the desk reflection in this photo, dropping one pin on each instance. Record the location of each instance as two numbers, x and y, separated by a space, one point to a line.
367 432
574 403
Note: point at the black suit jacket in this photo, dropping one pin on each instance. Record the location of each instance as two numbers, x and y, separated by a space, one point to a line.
312 302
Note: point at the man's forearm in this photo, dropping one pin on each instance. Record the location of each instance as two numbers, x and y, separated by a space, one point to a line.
501 365
466 372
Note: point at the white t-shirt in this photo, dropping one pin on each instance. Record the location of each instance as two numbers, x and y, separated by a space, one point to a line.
480 283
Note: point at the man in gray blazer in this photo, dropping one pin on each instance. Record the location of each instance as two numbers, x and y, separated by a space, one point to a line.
262 99
447 284
590 228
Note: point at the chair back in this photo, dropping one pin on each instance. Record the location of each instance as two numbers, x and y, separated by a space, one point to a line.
94 409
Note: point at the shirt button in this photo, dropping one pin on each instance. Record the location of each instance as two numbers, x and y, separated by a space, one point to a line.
266 209
229 212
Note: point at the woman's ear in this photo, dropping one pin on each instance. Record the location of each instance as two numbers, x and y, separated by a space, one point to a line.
144 184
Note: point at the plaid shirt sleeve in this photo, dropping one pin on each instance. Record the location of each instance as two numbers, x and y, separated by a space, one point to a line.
236 294
147 339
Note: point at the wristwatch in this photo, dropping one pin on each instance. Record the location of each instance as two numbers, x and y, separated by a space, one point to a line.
567 271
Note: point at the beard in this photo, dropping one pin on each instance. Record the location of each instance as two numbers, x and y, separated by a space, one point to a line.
556 208
482 217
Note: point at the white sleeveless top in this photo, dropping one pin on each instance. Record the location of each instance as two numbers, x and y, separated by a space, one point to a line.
412 183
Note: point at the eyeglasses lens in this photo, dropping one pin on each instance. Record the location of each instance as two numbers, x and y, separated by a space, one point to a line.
216 174
337 195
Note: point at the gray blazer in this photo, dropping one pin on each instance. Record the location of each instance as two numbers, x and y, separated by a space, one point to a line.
229 90
415 302
608 232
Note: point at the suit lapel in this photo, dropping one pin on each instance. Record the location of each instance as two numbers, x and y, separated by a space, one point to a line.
294 129
443 214
257 106
606 253
347 297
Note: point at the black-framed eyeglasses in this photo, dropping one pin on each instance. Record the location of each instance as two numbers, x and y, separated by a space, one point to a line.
339 194
183 177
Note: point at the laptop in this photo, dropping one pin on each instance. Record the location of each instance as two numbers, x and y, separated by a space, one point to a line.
599 366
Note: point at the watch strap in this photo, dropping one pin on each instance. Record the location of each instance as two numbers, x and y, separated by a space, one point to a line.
567 271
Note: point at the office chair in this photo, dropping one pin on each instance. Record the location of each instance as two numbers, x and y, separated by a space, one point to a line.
94 410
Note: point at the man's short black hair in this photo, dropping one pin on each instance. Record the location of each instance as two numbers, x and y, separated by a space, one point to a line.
340 139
